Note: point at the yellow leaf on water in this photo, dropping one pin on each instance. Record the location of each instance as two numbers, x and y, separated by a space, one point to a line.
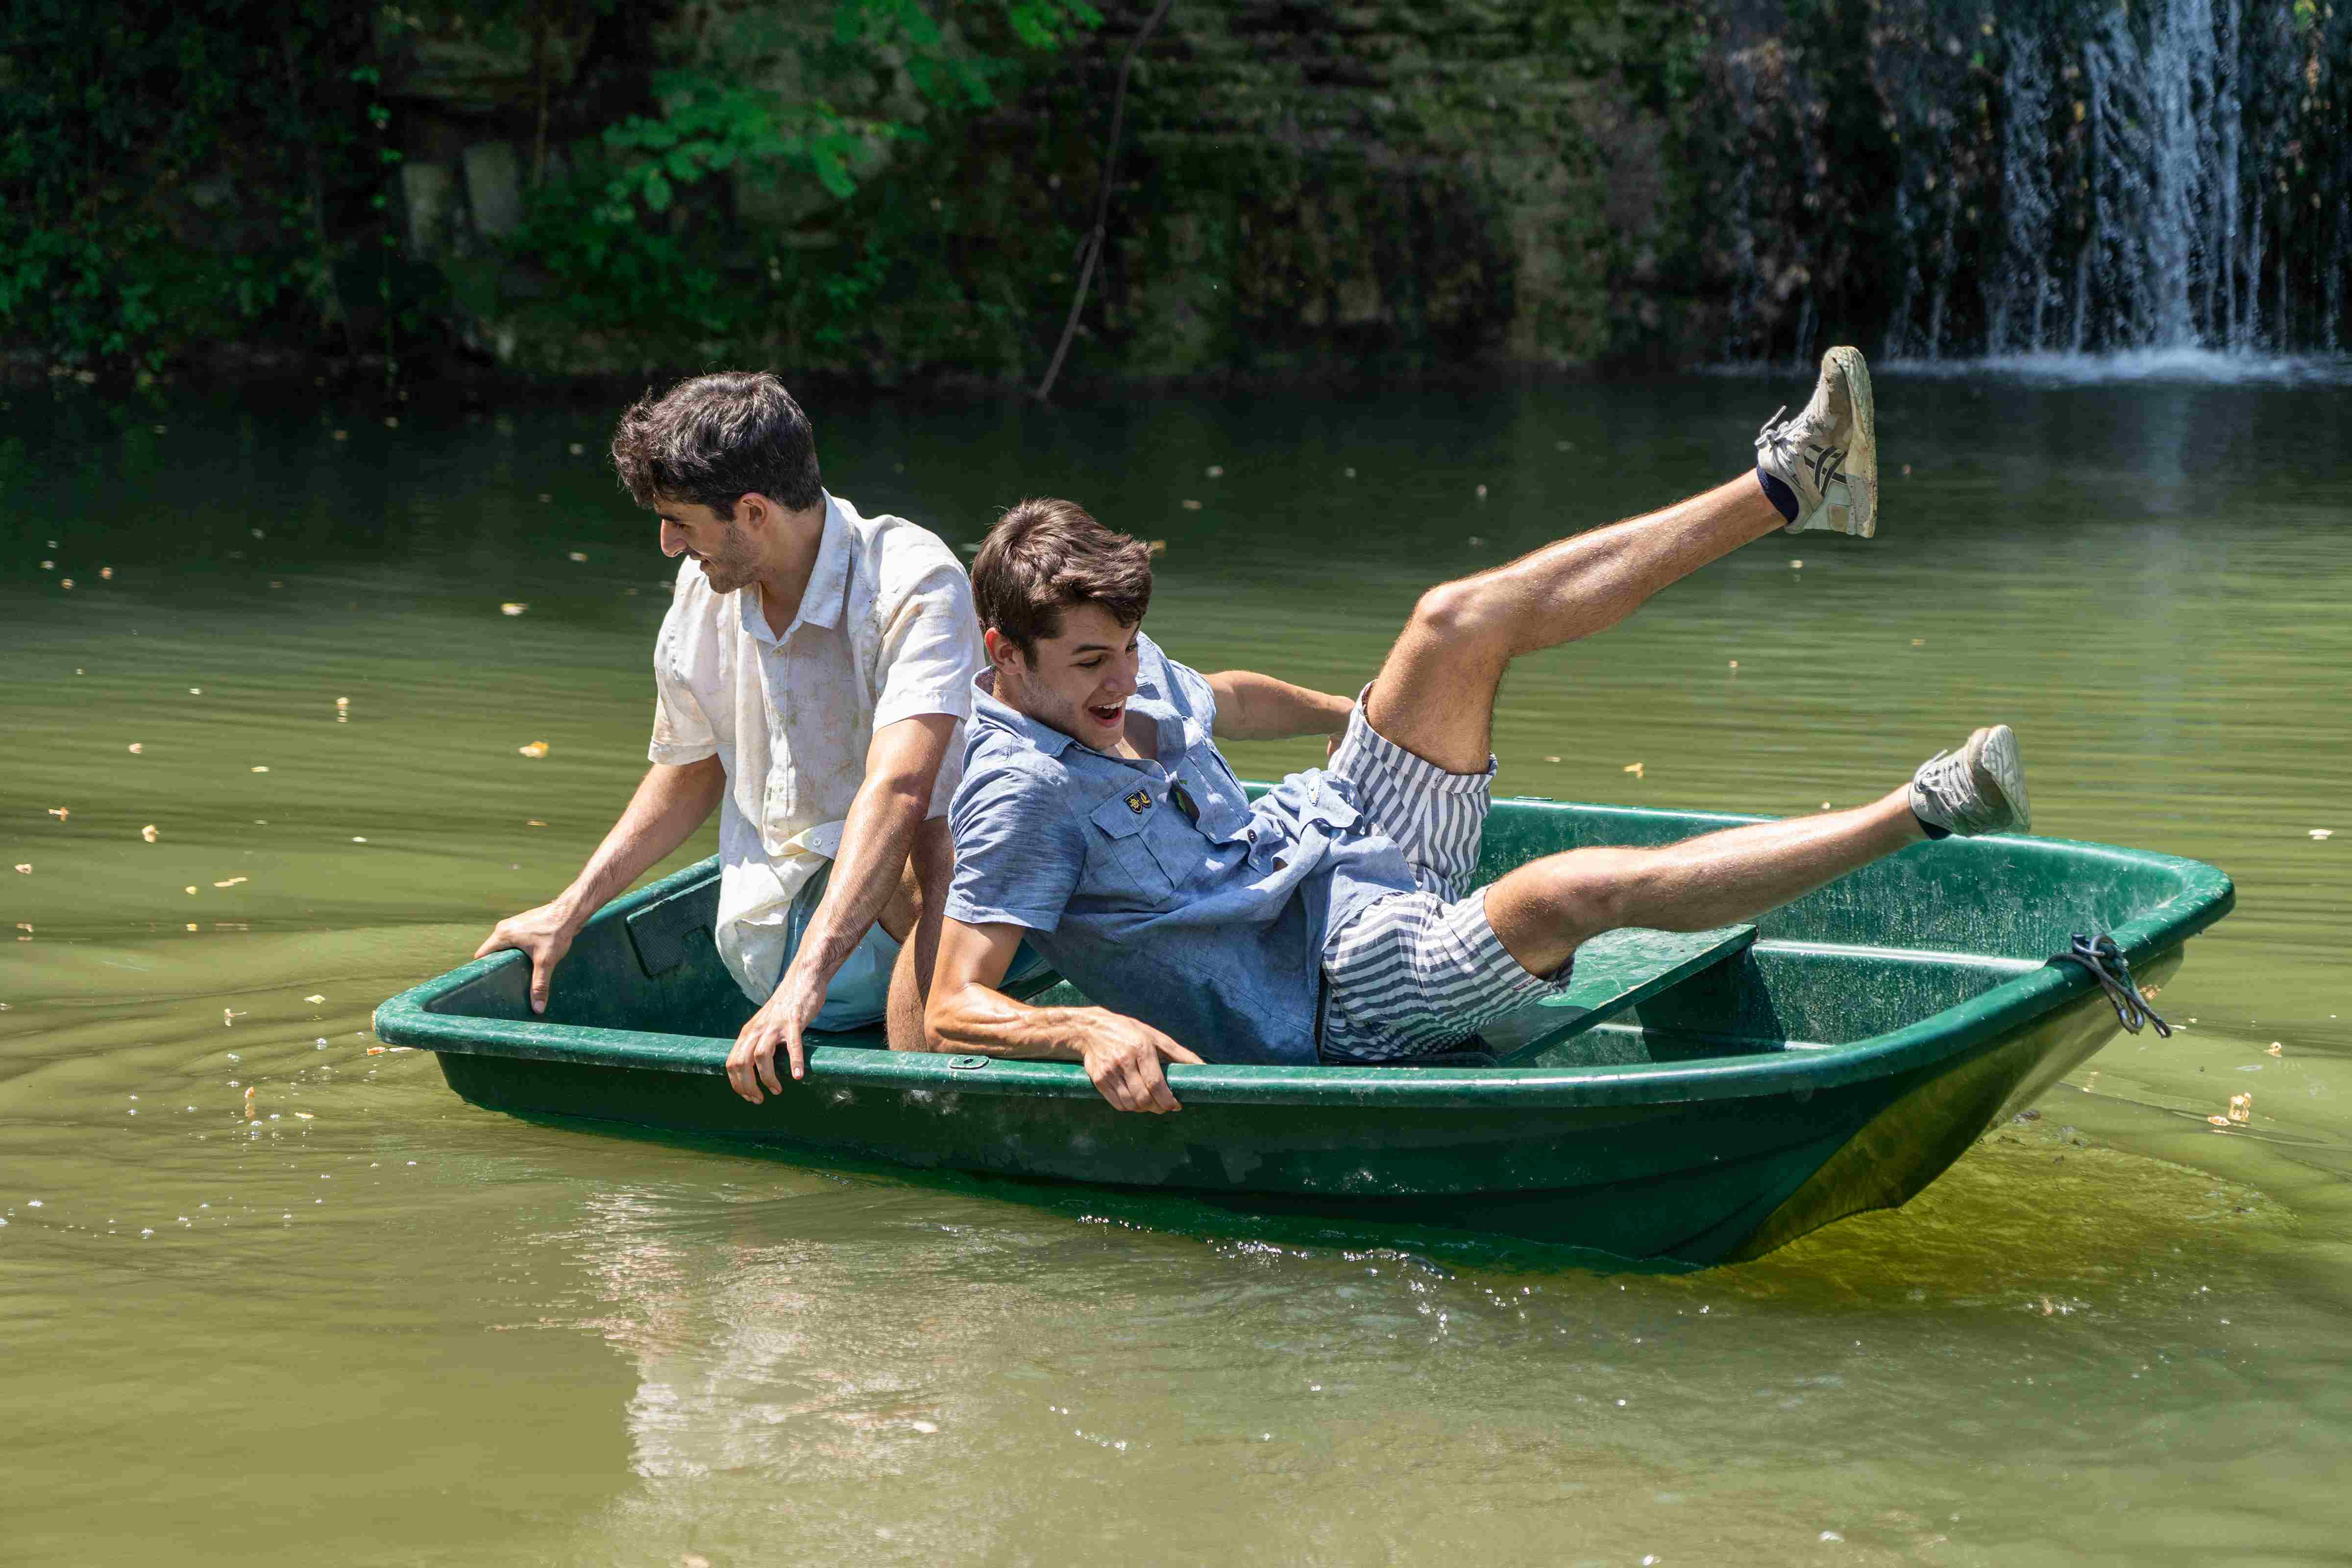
2273 1049
148 833
1636 770
512 607
232 882
1190 505
262 770
1551 759
579 555
136 748
58 812
375 1050
2323 832
1216 470
533 822
314 999
2219 1120
23 868
191 925
229 1018
343 701
535 749
191 887
305 1116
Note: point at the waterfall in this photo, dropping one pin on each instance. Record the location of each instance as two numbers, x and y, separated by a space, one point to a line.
2061 175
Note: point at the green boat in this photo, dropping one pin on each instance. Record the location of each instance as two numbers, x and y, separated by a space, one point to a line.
1692 1099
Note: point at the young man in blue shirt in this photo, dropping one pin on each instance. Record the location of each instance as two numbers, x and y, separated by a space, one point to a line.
1333 921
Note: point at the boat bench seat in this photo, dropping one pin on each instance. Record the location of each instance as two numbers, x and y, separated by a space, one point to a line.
1613 972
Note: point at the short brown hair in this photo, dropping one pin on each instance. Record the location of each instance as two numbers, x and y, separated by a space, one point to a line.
715 439
1045 556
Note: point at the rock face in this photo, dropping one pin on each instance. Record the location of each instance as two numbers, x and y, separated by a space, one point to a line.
1300 187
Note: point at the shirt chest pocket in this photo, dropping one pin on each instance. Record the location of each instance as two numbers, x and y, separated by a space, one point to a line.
1126 865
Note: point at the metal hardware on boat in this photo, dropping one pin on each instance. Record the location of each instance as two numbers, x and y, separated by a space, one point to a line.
2107 966
967 1064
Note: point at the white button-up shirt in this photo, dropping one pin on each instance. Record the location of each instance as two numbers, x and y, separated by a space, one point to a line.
886 631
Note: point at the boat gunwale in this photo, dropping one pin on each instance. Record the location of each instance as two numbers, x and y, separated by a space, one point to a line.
2205 895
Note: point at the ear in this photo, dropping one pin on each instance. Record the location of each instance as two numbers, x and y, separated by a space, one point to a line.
754 511
1004 653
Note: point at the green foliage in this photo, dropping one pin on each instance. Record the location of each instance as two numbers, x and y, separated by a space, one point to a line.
642 242
168 170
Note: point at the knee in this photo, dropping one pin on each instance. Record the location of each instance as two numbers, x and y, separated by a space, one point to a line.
1597 895
1464 615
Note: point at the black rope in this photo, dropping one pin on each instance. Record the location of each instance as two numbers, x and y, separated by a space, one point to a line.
2106 965
1093 243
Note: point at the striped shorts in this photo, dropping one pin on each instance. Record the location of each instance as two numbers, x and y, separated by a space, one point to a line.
1416 973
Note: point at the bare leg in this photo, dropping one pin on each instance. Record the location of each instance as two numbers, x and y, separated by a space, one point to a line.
1435 693
1547 909
932 865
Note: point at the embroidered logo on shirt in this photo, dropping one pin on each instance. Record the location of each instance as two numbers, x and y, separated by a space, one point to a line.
1140 802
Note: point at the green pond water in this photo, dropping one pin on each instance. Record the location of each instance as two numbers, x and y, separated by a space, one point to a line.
375 1325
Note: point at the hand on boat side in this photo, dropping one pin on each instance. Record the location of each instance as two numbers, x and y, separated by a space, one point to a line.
1122 1056
781 1020
544 935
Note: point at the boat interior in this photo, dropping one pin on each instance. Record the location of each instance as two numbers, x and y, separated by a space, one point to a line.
1935 926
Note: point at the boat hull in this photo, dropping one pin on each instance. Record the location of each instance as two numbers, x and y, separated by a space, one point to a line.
1812 1077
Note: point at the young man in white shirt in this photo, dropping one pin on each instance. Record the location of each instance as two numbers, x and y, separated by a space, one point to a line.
812 676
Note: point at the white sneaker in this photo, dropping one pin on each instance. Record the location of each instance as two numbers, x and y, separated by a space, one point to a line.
1828 455
1980 788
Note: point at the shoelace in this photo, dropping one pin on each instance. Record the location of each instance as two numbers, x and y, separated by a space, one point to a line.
1950 789
1827 466
2107 966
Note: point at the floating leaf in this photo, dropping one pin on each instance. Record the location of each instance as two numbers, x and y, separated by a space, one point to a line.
305 1116
148 833
137 747
579 555
228 1018
314 999
533 822
1636 770
2219 1120
2274 1049
262 770
535 749
343 701
191 887
1190 505
512 607
2323 832
232 882
23 868
58 812
1216 470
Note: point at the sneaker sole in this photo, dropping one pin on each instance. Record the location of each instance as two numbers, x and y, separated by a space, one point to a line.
1999 769
1861 457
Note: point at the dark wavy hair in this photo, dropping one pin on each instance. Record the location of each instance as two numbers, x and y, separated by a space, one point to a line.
715 439
1045 556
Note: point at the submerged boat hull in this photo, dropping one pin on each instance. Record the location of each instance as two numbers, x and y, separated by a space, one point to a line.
1719 1120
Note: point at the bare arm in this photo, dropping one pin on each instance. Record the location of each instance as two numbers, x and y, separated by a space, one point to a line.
901 764
1253 707
1122 1056
671 802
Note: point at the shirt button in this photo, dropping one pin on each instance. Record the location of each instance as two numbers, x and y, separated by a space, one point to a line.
1252 835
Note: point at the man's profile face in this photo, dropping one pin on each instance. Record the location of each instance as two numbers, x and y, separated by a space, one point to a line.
724 547
1080 679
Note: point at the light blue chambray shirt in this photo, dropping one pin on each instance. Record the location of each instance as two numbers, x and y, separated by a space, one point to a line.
1211 933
